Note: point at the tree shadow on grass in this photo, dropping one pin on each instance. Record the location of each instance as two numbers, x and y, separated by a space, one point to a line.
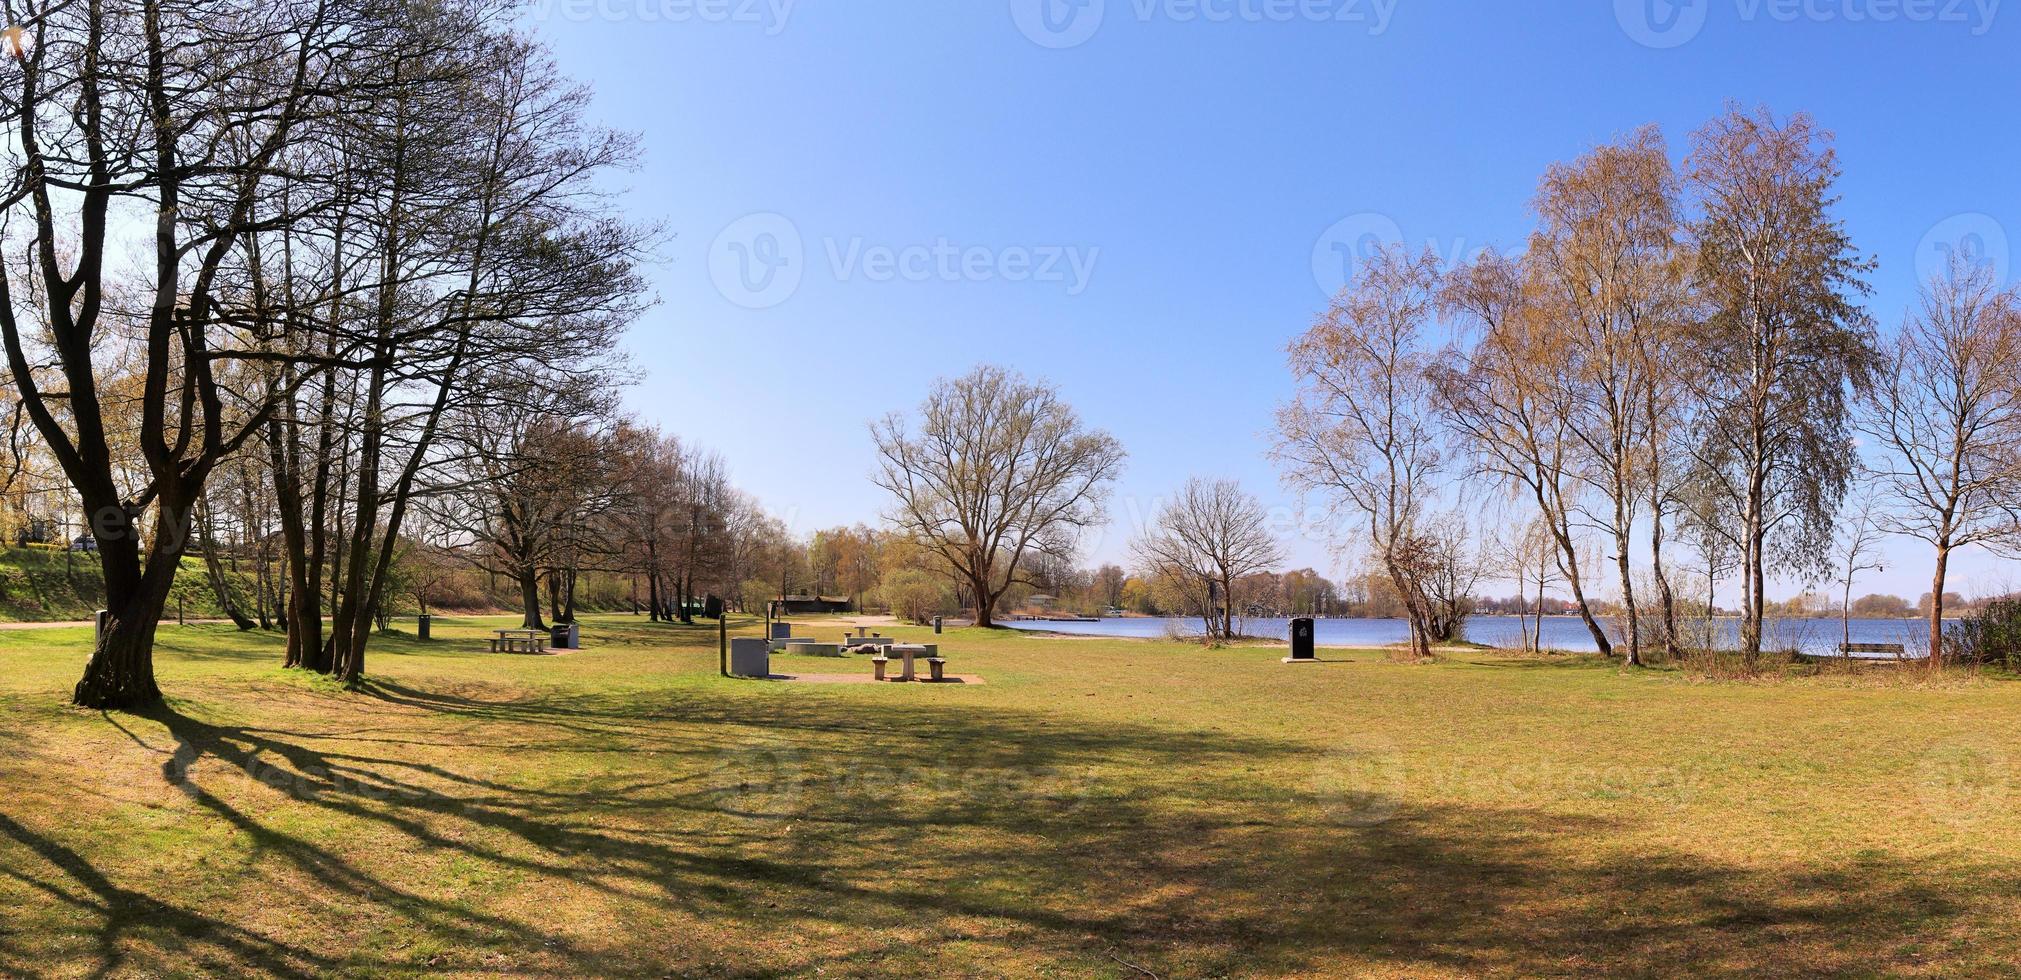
931 836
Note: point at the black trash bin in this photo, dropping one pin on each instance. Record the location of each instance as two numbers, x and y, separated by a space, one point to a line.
936 625
421 625
1301 640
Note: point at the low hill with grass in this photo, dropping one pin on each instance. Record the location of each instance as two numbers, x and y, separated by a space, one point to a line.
42 585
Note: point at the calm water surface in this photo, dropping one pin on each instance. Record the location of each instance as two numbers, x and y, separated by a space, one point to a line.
1820 636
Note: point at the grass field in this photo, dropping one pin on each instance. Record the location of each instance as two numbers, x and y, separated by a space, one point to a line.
1096 808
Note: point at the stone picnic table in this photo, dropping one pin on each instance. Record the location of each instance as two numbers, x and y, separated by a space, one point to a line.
908 654
519 641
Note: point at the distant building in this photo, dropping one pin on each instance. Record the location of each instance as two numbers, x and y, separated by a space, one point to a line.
815 604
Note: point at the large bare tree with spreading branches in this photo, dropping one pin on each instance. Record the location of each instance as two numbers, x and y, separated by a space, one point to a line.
997 469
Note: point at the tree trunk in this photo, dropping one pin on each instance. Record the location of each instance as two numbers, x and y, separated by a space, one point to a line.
1568 563
1937 604
1537 637
984 603
529 595
120 673
1633 619
1664 595
214 570
1751 619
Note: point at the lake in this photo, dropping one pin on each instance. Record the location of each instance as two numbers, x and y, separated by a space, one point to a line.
1816 636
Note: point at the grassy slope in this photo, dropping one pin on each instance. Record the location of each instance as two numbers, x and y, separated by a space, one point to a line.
39 585
624 811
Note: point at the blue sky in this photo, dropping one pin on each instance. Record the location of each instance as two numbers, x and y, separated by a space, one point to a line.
1137 199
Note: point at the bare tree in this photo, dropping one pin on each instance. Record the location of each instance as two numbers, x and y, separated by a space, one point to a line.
1503 399
1532 555
1211 535
1947 422
998 469
114 120
1361 430
1856 550
1606 261
1446 565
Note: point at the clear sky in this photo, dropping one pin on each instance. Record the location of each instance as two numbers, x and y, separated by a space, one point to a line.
1139 200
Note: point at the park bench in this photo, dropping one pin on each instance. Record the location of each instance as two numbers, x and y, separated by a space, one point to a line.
519 641
1893 649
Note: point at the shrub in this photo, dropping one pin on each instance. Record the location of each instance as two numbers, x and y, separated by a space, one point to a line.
915 595
1992 635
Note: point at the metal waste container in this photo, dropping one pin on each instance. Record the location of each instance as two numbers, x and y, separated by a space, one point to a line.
1301 639
422 624
565 636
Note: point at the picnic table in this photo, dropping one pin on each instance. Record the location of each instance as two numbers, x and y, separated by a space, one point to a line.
908 654
519 641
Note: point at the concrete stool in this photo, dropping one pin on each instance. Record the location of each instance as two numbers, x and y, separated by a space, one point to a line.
935 666
877 663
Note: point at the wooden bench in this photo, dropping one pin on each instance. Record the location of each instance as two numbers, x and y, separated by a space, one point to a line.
1895 649
519 641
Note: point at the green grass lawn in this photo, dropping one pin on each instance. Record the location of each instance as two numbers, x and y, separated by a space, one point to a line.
623 810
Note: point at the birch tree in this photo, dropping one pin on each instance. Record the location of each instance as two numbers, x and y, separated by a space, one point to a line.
1784 345
1361 430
